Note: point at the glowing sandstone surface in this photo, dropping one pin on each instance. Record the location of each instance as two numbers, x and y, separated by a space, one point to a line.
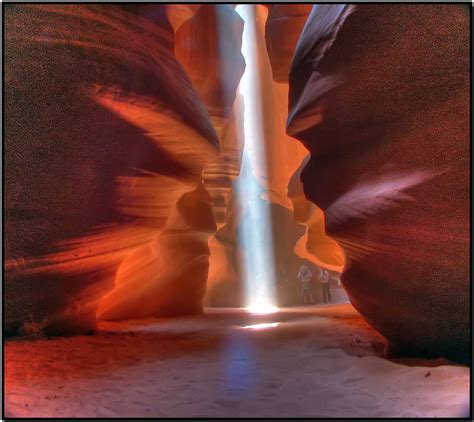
123 148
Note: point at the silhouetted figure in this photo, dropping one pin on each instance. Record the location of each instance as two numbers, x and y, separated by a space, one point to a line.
304 275
326 284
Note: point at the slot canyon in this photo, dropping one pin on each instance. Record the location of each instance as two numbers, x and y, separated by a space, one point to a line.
236 210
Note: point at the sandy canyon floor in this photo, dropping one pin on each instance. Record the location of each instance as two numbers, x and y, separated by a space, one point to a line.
314 361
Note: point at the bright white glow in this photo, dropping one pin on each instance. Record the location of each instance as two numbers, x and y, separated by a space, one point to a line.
255 232
262 309
260 326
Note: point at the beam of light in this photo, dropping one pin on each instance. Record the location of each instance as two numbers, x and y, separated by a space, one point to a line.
261 326
255 233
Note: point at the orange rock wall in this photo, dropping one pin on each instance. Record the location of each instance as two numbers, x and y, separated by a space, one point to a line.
105 133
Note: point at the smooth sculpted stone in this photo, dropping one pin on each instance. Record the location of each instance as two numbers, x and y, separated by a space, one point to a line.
208 45
104 133
282 31
283 155
315 245
379 94
168 275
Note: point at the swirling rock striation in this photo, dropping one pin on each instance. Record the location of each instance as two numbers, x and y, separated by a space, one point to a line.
380 97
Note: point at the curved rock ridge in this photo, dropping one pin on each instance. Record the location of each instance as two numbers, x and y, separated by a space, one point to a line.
209 48
284 156
314 246
380 97
179 13
168 276
104 133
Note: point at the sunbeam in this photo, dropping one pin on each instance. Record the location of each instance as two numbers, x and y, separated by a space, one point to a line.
255 233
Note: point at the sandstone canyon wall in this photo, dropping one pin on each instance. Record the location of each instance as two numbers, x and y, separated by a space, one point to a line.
168 276
124 150
104 134
380 97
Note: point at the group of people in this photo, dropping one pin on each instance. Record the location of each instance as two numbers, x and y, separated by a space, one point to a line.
305 275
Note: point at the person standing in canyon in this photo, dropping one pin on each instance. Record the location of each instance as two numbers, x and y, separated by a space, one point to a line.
326 285
304 275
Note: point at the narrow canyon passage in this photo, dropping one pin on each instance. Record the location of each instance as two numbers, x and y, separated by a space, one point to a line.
249 210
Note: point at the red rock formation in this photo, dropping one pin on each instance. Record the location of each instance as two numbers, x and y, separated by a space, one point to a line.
380 97
144 281
225 284
166 276
179 13
208 45
112 176
104 133
282 31
284 156
314 246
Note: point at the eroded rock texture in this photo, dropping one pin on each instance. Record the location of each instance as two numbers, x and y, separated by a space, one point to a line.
168 276
282 157
123 147
314 245
380 97
282 31
104 134
208 45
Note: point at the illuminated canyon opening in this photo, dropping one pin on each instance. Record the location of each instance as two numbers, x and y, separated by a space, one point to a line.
216 210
